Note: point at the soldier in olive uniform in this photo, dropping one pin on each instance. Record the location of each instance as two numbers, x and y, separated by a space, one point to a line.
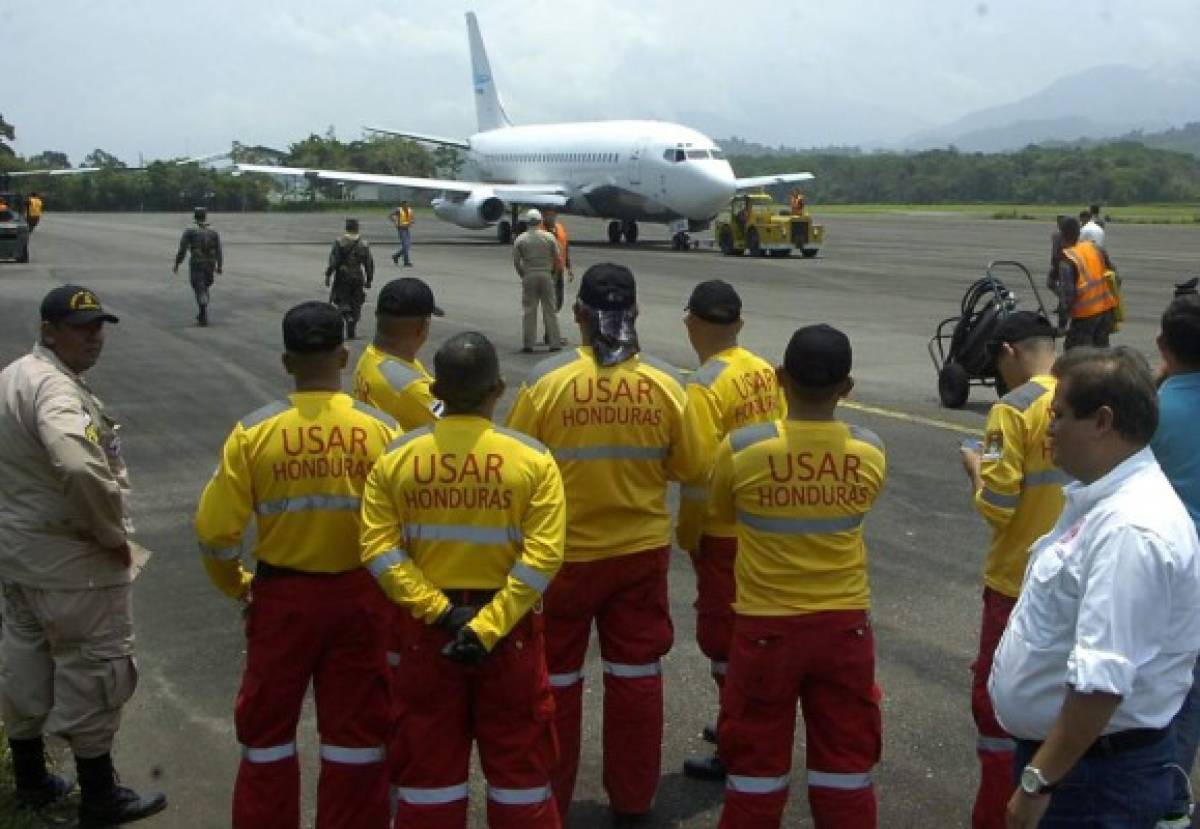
203 244
352 268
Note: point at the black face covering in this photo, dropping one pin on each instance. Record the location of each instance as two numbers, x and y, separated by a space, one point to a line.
614 338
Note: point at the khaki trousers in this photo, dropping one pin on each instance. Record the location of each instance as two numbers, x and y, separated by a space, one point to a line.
67 664
537 288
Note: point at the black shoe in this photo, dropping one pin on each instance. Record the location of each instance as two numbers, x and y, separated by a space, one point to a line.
709 734
704 768
53 788
395 259
526 350
622 819
202 317
122 805
351 334
408 264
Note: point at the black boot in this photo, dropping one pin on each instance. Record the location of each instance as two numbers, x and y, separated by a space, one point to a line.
709 734
704 768
36 787
202 317
351 325
104 803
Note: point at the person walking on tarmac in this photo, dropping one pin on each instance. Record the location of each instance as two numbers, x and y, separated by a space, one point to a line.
614 419
1018 491
352 268
463 527
1085 295
67 565
403 218
732 388
33 211
562 266
202 245
314 614
535 255
388 375
799 490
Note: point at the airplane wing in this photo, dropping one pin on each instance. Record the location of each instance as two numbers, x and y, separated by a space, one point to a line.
533 195
427 139
766 181
70 171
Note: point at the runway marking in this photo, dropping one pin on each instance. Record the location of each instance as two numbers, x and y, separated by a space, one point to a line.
911 418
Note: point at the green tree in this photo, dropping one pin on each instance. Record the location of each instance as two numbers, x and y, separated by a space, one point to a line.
7 133
49 160
101 158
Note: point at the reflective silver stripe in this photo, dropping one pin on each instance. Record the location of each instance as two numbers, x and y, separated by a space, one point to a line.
265 413
866 436
756 785
393 659
386 561
995 744
719 668
748 436
801 526
464 532
624 671
408 437
1001 500
532 443
550 364
694 493
523 572
519 797
270 754
383 417
1022 397
398 374
352 756
611 453
565 680
309 503
834 780
222 553
1047 477
707 374
432 797
663 366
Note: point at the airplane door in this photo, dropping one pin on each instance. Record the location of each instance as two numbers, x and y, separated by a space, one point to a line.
635 163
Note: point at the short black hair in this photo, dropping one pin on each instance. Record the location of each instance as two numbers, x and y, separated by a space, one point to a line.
1070 229
1118 378
466 370
352 225
1181 329
1084 216
1094 209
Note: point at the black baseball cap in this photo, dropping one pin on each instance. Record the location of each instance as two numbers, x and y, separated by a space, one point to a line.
312 328
608 287
715 301
407 297
75 305
818 356
1018 326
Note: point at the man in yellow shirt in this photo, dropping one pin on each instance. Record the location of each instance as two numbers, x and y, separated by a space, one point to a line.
613 417
403 218
388 375
799 490
314 614
463 528
34 214
732 388
1018 491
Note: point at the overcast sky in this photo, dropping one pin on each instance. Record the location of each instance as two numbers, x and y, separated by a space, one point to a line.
167 78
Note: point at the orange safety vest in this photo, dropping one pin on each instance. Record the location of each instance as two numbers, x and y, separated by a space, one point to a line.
404 216
1092 292
560 233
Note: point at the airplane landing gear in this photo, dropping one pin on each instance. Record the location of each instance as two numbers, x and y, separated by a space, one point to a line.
614 233
629 229
504 234
681 241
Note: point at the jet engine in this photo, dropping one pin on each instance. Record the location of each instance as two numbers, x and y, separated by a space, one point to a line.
477 209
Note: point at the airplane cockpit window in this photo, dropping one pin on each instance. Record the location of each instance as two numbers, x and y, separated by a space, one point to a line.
694 154
719 155
674 156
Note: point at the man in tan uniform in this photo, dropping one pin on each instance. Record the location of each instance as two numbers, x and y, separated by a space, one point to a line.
66 566
535 256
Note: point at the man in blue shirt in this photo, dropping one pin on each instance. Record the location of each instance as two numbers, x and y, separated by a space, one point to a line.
1176 445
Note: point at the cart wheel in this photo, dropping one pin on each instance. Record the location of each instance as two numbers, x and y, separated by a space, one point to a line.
810 253
954 385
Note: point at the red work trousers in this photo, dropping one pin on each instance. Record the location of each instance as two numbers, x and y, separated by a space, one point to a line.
715 592
504 704
825 660
626 596
330 631
993 746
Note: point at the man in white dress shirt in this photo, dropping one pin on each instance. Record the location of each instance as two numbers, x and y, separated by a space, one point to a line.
1098 654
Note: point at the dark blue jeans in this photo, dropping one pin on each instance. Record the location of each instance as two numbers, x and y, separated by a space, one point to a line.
1185 733
1129 790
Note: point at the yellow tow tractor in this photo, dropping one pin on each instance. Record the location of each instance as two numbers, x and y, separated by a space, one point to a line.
757 223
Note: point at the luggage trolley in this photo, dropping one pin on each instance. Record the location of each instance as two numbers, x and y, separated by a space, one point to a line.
958 346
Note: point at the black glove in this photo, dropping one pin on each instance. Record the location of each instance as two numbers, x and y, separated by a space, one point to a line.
455 616
465 648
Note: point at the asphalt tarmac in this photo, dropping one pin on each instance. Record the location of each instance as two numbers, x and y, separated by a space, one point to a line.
886 280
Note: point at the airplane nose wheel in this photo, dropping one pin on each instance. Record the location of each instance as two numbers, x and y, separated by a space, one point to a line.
504 232
630 229
614 233
681 241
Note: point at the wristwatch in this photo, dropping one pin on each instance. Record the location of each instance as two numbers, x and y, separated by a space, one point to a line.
1034 783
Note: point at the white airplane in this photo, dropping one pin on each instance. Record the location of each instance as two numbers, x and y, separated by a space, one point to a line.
624 171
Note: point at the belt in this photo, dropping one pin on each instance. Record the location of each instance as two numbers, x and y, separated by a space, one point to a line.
470 597
1118 742
266 570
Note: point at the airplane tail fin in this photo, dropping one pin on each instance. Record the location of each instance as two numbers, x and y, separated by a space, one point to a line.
489 110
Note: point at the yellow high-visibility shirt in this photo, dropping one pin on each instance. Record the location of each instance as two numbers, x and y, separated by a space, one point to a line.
618 435
299 467
396 386
35 207
734 388
799 492
1022 488
464 504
